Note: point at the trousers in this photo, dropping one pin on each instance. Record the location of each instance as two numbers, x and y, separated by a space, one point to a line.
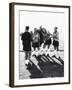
27 55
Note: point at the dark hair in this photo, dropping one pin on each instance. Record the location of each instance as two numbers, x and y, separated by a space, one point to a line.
56 27
27 27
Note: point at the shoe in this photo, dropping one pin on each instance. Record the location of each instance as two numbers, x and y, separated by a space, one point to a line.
27 62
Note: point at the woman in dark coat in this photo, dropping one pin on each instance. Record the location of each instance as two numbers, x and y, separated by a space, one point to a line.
26 40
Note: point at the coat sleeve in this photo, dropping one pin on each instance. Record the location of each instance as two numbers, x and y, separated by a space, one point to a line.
22 37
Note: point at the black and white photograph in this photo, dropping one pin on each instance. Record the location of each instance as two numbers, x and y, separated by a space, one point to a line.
41 44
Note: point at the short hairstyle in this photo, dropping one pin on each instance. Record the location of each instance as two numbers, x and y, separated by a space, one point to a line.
56 27
27 27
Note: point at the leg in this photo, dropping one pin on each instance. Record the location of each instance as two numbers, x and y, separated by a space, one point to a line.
26 55
49 43
48 46
54 47
57 45
57 48
28 63
38 45
26 58
29 53
44 45
54 44
34 48
38 48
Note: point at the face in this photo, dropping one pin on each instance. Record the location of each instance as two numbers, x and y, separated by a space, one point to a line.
35 30
40 27
55 30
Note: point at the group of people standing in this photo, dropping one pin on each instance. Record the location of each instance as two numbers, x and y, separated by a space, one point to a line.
37 38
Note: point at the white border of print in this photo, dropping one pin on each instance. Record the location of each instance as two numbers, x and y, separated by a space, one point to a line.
16 48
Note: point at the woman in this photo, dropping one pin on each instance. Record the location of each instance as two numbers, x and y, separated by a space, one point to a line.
56 39
36 39
48 40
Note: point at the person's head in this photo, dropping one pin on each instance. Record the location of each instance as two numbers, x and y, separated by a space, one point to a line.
35 30
55 29
40 27
27 28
